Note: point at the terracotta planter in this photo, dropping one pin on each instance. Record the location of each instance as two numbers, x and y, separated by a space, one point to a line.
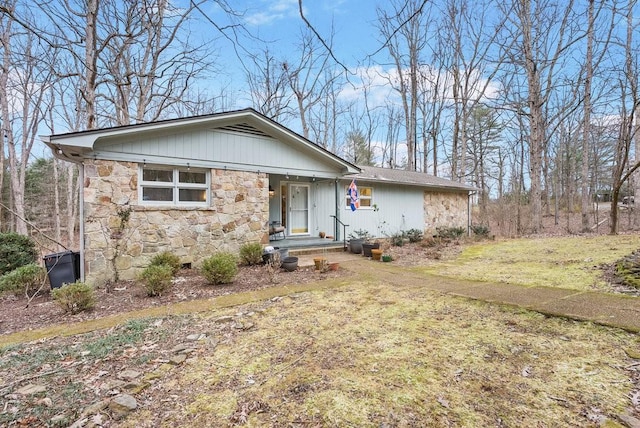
334 266
368 246
376 253
320 262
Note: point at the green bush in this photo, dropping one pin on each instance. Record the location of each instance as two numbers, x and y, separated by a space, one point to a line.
480 230
450 232
251 254
221 268
397 239
361 234
156 279
169 259
75 298
414 235
25 280
15 251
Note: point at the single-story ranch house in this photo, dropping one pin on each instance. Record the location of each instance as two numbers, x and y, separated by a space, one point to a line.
197 185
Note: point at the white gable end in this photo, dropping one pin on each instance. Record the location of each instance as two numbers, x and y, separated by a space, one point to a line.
220 149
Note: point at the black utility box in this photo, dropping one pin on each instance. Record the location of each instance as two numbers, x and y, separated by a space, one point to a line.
62 268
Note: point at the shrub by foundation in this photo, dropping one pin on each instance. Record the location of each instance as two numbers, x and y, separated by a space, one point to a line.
168 259
75 298
221 268
251 254
156 279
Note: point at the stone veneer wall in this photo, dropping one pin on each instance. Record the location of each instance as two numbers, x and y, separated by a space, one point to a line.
238 214
444 209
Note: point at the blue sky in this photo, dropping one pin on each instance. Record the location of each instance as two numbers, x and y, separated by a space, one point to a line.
279 22
353 21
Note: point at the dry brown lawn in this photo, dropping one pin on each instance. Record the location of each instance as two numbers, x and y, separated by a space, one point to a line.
356 352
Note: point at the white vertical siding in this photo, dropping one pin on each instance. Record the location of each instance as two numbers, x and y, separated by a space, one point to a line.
399 208
324 206
251 151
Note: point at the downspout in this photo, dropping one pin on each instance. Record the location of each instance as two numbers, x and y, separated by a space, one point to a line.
471 193
81 217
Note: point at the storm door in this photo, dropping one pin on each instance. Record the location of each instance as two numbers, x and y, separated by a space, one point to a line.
298 209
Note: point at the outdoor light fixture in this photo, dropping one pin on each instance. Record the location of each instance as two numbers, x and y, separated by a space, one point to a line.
271 192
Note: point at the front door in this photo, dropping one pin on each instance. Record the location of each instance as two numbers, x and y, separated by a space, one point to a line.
298 209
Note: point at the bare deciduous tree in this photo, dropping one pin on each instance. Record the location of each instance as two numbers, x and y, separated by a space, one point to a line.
405 32
267 82
306 77
24 81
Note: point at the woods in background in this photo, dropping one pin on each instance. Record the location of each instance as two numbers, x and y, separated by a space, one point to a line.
533 102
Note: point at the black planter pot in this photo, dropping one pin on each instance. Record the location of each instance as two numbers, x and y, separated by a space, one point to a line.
355 246
290 264
367 247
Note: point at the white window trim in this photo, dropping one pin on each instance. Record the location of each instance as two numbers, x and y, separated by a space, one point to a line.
346 196
175 185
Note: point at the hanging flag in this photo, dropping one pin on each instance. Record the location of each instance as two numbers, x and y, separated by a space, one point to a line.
353 194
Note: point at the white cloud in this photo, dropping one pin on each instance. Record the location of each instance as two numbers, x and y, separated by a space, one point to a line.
380 84
271 12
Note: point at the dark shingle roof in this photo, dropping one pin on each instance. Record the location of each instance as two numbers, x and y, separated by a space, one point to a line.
411 178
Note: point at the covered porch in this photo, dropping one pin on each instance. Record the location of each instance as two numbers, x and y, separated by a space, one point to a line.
303 209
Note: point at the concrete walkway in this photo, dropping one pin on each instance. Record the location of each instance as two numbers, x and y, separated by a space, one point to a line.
614 310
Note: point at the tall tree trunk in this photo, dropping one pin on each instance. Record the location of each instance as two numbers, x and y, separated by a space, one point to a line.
536 118
5 119
90 63
586 127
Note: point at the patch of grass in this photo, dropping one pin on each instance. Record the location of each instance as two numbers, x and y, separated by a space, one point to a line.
32 357
401 356
564 262
128 334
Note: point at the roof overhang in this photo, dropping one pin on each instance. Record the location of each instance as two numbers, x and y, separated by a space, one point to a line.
77 146
377 175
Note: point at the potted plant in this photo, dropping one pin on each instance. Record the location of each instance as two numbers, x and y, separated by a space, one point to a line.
320 263
356 239
376 253
367 247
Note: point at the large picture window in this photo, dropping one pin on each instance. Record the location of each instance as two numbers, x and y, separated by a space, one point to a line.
365 194
174 186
